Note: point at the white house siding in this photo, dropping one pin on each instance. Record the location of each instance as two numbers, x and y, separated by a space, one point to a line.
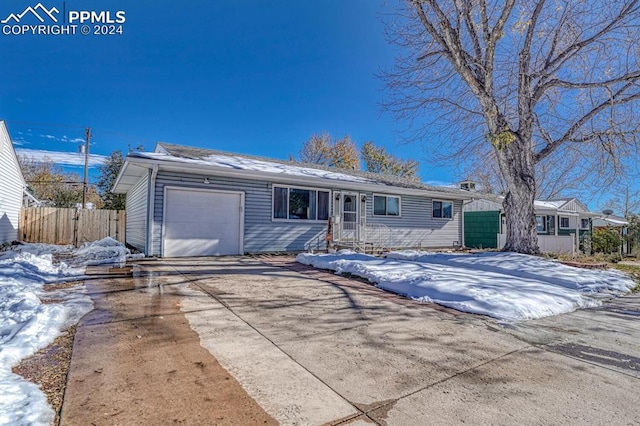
573 206
482 205
416 227
136 207
573 221
261 233
11 188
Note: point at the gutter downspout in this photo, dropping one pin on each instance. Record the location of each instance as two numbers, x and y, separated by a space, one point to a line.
151 195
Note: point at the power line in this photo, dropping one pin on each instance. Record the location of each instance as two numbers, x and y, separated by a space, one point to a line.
46 126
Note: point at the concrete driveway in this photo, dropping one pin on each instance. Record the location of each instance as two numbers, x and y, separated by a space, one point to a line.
255 341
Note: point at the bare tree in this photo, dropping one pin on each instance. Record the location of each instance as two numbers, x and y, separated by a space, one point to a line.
528 81
625 201
553 179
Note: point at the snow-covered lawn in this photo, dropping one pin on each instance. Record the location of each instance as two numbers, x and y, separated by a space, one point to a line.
506 286
27 324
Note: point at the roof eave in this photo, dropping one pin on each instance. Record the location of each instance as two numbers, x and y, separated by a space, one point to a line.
168 165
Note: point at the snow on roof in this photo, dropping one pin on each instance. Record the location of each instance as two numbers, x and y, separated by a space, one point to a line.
237 162
612 220
555 205
241 162
550 204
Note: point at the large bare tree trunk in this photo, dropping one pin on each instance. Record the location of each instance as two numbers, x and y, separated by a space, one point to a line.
518 171
535 79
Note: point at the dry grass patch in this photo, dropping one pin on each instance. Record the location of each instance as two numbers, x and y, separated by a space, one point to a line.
49 367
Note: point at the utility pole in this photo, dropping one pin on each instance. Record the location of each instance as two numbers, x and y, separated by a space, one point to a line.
87 135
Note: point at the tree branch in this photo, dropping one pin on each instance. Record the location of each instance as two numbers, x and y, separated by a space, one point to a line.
607 103
567 53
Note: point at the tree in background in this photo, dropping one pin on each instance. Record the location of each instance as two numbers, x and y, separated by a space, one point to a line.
378 160
108 173
324 150
625 200
533 84
50 184
344 154
633 234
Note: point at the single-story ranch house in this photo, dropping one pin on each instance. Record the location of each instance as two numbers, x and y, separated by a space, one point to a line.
186 201
559 223
12 185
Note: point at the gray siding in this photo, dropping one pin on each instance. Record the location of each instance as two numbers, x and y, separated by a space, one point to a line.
11 187
136 207
416 228
261 233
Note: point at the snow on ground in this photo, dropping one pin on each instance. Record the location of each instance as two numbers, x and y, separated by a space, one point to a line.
506 286
27 324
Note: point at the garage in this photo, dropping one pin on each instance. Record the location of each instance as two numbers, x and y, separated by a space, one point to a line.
202 222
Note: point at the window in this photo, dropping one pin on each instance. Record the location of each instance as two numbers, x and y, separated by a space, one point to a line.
541 223
385 205
300 204
564 222
584 223
443 209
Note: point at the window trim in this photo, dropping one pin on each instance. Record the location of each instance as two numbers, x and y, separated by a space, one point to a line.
560 222
588 223
544 223
443 201
288 188
373 205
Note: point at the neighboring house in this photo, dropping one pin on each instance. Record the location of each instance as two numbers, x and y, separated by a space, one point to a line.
29 200
185 201
12 187
557 222
618 223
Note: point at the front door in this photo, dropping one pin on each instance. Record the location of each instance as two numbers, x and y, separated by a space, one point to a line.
349 216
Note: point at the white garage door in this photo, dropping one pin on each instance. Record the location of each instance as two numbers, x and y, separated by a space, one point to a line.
202 223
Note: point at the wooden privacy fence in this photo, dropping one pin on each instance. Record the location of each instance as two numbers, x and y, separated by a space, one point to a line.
52 225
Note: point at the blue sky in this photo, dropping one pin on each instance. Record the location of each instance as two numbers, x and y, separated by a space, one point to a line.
243 76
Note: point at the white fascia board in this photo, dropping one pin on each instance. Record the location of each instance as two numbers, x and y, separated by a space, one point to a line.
212 171
131 169
567 213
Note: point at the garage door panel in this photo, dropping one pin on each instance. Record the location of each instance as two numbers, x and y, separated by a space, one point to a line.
202 223
195 247
213 216
191 233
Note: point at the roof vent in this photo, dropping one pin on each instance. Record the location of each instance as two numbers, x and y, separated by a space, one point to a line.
468 185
